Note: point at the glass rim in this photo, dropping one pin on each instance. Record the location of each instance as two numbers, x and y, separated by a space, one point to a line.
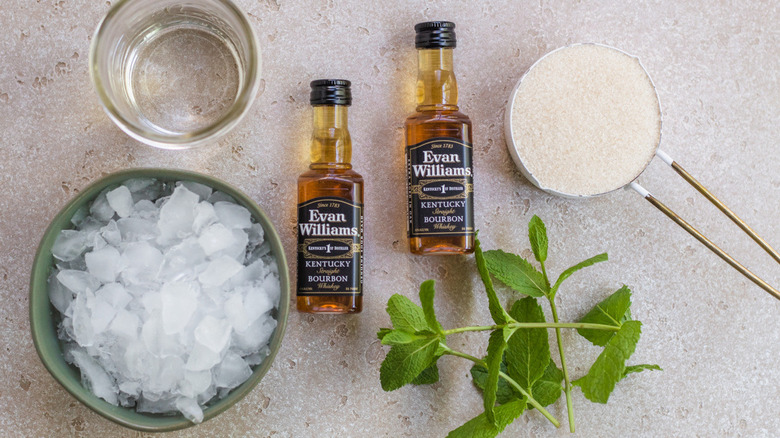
230 119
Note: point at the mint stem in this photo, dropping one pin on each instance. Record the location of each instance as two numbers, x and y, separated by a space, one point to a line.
567 387
556 325
532 401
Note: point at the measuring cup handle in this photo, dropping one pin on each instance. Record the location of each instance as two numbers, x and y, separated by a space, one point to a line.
718 203
704 240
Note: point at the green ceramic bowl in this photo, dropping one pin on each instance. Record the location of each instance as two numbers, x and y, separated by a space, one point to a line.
43 316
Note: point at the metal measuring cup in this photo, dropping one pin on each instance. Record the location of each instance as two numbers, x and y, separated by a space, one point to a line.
634 185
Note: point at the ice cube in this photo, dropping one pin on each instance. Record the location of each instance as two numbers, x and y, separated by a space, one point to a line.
152 303
179 302
194 383
256 235
177 215
247 275
204 216
98 243
237 248
219 270
135 229
234 310
181 261
166 379
199 189
255 336
213 333
257 358
259 253
78 281
257 302
157 342
190 409
121 201
137 360
79 215
115 295
130 387
232 371
102 313
272 287
141 262
233 215
145 209
156 406
215 238
94 377
104 264
83 331
111 234
138 184
201 358
60 296
125 325
150 191
69 245
207 395
100 208
218 196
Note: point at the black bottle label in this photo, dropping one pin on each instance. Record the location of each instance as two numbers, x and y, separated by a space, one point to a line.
330 247
441 188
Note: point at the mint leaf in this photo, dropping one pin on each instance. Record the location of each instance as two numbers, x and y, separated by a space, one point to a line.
515 272
537 234
528 350
404 362
406 315
547 390
396 337
639 368
504 392
497 312
428 376
609 367
383 332
495 354
611 311
481 427
583 264
427 293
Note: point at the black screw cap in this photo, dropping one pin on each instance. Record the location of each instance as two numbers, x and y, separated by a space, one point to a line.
331 92
435 35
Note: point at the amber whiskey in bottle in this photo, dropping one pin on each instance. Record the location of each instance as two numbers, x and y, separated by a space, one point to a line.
330 210
438 151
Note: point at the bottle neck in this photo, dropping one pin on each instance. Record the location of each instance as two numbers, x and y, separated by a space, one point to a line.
437 88
331 145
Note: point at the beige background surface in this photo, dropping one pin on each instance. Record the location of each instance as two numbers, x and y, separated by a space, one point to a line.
715 65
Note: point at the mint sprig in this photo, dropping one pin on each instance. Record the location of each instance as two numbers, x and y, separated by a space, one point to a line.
517 372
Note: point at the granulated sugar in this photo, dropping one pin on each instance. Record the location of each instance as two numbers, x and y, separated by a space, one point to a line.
586 120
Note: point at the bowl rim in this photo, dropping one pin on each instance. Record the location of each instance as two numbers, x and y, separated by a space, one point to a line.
41 311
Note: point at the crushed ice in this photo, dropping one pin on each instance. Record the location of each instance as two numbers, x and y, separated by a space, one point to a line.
166 293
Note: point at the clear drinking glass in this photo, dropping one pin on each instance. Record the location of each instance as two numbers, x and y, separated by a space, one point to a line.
175 73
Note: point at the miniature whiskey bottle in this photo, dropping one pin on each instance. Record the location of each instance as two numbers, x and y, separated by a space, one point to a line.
438 151
330 210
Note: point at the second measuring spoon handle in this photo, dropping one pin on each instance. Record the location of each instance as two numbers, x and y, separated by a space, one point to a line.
718 203
704 240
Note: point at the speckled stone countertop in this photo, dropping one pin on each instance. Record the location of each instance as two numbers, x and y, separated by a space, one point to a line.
715 65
